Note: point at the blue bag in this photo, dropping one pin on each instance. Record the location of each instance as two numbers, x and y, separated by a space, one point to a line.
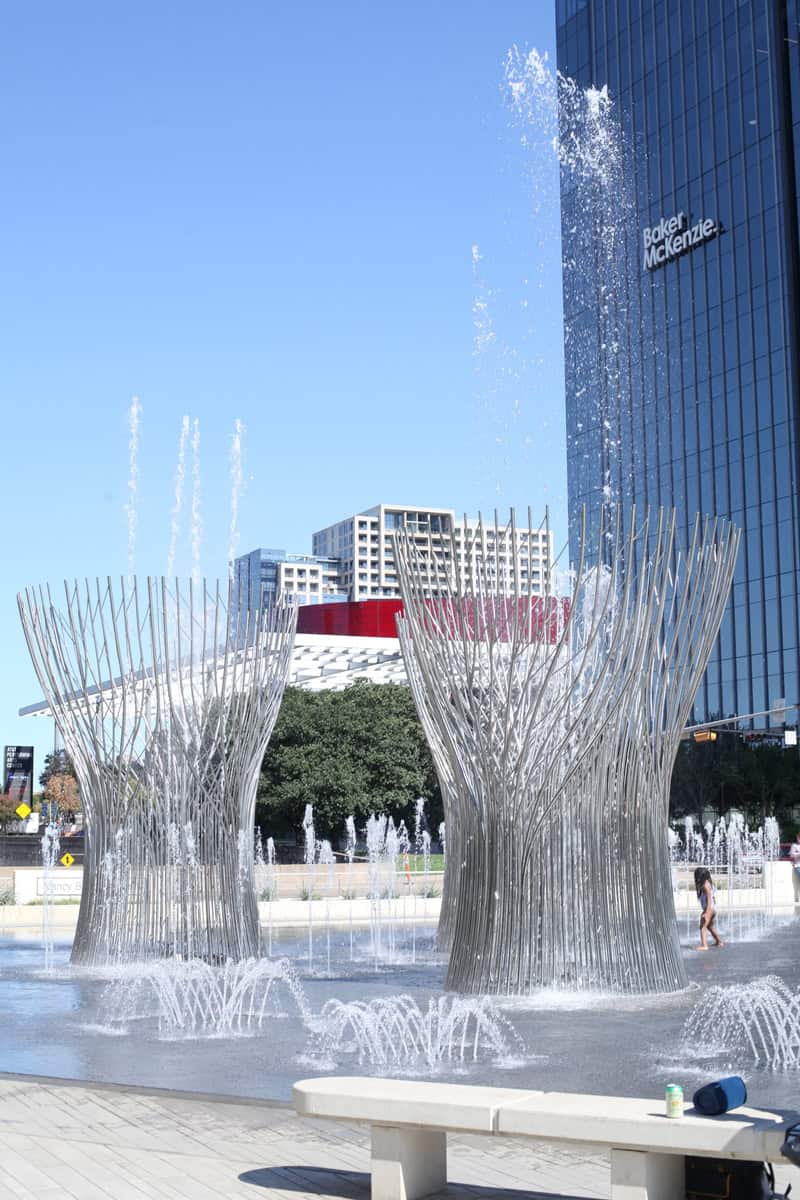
719 1097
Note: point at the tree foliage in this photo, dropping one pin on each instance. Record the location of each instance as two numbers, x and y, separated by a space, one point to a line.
7 810
760 780
358 751
57 763
62 790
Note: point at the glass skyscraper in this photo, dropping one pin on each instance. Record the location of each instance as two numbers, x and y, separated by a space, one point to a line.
682 345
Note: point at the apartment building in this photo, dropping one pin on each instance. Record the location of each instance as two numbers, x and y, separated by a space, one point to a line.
362 545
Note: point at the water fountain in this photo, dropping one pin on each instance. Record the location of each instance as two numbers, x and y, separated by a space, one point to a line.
727 846
192 998
552 728
561 719
237 477
196 508
177 506
758 1021
397 1032
736 856
351 841
51 850
375 833
444 774
327 859
165 705
309 855
131 507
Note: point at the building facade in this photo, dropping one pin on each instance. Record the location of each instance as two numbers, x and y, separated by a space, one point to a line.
353 560
266 574
682 302
362 544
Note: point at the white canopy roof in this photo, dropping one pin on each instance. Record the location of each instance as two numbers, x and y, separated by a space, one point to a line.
320 662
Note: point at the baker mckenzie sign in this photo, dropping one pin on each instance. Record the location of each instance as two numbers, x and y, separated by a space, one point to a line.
672 237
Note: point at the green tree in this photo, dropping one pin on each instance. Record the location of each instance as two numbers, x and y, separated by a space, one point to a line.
695 779
7 813
57 763
757 778
358 751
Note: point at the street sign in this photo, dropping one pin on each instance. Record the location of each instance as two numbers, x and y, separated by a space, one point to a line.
790 737
18 773
66 860
22 811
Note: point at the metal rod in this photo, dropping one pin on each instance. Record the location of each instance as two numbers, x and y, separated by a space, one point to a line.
167 757
554 723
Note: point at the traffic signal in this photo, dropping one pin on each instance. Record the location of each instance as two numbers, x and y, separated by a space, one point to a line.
706 735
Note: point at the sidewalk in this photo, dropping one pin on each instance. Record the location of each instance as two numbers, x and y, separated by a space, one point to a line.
69 1142
65 1141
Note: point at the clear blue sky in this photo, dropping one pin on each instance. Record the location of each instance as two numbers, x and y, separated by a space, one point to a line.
268 212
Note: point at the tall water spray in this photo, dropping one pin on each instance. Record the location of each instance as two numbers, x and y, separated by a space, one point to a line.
132 506
327 859
581 128
309 854
489 359
270 888
51 849
351 841
197 515
484 334
375 833
235 462
177 504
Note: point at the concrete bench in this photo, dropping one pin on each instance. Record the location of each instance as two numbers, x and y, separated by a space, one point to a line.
410 1122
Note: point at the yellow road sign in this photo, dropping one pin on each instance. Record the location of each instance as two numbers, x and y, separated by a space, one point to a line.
23 811
66 860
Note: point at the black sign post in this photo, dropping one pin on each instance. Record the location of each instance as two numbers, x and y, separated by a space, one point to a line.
18 774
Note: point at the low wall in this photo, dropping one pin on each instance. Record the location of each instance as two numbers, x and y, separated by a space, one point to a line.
342 912
776 895
29 917
65 884
344 879
289 882
284 913
778 883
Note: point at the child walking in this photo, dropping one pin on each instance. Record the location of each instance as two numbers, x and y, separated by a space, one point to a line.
707 895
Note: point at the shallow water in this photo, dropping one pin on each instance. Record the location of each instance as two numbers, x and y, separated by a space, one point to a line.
53 1024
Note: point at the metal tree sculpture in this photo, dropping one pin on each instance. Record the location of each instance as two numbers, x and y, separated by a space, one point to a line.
165 698
452 870
560 720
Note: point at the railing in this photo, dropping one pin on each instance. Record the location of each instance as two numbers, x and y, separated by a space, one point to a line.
349 881
749 875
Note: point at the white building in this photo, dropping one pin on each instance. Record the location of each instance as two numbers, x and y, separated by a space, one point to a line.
362 545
